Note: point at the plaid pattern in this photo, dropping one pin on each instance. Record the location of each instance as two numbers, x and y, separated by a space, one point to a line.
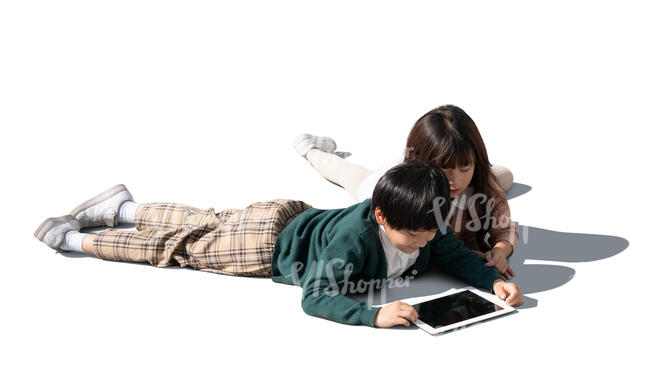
233 242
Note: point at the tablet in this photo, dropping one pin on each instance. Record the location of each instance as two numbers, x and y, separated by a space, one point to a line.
456 309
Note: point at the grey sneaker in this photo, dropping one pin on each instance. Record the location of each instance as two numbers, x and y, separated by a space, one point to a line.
102 209
52 231
304 142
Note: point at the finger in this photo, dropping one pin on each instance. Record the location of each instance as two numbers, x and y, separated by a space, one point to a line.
413 316
500 292
506 275
408 315
404 314
512 294
412 313
405 306
504 270
514 298
402 321
511 272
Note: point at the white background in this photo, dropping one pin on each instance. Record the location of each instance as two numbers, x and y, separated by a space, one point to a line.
197 103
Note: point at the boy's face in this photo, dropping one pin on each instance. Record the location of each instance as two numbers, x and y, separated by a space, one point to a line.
405 240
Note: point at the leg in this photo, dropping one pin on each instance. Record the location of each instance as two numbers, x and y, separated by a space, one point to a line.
116 205
232 242
102 210
503 175
88 242
156 247
319 152
165 235
337 170
165 216
163 228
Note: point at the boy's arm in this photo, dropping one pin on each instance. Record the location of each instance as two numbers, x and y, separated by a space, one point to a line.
322 290
452 256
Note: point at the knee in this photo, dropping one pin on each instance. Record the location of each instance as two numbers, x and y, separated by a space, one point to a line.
504 176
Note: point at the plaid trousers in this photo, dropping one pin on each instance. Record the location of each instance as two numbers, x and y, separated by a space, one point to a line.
233 242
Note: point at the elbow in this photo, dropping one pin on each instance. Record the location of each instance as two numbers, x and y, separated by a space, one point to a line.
306 306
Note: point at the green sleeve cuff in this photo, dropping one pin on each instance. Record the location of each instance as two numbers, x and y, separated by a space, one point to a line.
489 278
368 316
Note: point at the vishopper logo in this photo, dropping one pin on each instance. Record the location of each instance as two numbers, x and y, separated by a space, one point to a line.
475 222
334 278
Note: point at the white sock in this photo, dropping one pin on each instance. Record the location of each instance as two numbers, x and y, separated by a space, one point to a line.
72 241
338 170
126 213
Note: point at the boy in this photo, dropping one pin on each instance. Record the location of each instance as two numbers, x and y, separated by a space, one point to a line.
399 231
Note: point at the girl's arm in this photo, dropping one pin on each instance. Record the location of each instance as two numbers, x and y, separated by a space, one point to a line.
504 235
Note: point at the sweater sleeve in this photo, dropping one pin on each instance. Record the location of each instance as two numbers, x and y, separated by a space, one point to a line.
324 287
453 257
501 227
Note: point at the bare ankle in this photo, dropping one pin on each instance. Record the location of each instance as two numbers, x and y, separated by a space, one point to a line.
87 244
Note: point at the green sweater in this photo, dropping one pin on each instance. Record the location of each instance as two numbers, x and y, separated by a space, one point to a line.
322 250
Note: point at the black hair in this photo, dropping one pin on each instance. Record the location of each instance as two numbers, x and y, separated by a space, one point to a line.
413 195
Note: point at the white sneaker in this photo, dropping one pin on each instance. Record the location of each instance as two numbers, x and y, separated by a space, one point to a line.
304 142
52 231
102 209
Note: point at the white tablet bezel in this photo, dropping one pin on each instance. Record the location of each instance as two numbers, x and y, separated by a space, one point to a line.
437 331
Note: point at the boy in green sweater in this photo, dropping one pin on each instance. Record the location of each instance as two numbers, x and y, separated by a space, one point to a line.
399 233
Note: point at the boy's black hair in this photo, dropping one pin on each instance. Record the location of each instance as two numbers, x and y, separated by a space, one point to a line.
413 195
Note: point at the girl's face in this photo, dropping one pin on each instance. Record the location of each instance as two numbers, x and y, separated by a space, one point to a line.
459 178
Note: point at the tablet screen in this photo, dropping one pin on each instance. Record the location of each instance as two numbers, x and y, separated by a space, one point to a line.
454 308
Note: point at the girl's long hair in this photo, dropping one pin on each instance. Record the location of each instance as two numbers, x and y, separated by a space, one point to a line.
448 138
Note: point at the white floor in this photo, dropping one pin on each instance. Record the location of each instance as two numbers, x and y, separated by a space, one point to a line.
197 104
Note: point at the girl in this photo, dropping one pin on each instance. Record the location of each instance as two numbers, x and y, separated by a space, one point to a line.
448 138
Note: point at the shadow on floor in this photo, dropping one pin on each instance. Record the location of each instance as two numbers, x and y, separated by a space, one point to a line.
534 244
540 244
517 189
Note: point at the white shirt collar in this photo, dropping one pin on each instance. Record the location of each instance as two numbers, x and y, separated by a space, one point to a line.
397 261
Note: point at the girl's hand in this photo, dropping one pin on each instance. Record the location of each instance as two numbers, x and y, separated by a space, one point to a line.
497 258
396 313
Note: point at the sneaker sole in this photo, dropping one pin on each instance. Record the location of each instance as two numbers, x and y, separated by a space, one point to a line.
98 199
305 136
44 228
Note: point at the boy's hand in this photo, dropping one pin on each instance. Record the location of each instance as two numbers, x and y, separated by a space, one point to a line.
396 313
508 292
497 258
